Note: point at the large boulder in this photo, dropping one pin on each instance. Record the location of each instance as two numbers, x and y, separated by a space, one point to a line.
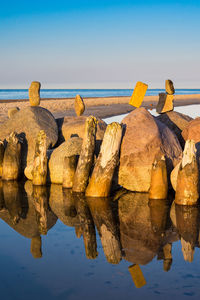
144 139
192 131
176 122
75 126
27 123
71 147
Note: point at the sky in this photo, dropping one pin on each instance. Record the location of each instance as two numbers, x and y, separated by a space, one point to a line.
99 44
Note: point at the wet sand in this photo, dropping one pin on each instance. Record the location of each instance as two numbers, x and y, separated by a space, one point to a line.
101 107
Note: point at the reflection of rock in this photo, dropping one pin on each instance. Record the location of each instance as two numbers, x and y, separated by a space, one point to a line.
139 242
62 204
41 206
137 276
87 226
187 218
107 228
2 204
159 210
12 200
167 262
28 226
36 244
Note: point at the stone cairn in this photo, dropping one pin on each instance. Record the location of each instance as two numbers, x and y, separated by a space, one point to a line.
165 102
79 105
34 93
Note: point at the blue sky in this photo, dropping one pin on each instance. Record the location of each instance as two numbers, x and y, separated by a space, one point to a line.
99 44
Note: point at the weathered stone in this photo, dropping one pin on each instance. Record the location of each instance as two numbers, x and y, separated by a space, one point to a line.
27 123
2 150
85 160
137 276
69 169
41 207
71 147
102 175
140 144
174 175
138 94
79 105
192 131
12 158
188 177
165 103
12 111
176 122
34 93
40 159
159 185
75 126
169 87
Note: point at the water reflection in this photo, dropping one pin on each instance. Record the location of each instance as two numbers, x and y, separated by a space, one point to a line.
130 226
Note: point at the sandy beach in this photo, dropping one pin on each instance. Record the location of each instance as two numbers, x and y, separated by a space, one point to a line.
101 107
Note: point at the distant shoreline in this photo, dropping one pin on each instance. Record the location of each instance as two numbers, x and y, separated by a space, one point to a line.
102 107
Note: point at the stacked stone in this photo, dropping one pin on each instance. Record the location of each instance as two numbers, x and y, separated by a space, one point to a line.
34 93
165 102
79 105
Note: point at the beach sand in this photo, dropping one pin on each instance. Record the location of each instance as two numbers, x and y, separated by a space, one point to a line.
100 107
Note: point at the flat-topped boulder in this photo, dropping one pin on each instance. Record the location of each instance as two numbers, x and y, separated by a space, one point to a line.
176 122
75 126
192 131
143 140
27 123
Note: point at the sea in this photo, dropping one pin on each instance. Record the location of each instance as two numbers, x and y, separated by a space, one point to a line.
8 94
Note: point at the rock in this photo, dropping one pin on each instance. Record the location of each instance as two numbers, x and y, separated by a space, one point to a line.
79 105
176 122
140 144
165 103
71 147
12 159
36 245
27 123
12 111
192 131
75 126
138 94
188 177
169 87
34 93
2 150
174 175
69 169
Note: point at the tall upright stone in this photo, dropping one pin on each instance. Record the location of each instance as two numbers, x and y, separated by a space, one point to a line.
138 94
169 87
79 105
2 149
165 103
34 93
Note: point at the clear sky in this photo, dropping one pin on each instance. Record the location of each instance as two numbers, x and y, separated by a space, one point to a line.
99 44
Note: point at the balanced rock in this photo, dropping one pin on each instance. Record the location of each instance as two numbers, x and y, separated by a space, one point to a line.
169 87
192 131
79 105
142 141
27 123
12 111
34 93
165 103
71 147
75 126
138 94
176 122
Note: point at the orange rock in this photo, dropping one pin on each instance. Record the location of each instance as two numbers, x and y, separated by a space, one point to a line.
165 103
138 94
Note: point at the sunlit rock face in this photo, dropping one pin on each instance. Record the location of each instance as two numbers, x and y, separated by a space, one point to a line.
144 139
34 93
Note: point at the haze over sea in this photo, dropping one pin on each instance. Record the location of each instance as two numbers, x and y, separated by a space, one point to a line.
7 94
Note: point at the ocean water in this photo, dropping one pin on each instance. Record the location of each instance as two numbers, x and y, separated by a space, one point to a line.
70 93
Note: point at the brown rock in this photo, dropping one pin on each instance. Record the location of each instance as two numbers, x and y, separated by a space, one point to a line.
79 105
27 123
192 131
165 103
75 126
34 93
71 147
174 175
12 111
176 122
169 87
2 150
